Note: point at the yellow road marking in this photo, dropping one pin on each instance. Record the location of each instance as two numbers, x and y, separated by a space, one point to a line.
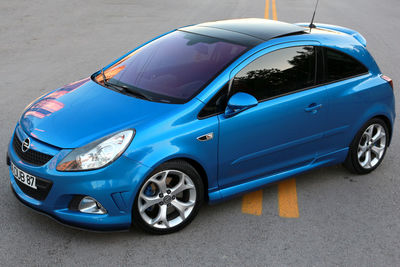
266 13
274 14
252 203
287 199
287 193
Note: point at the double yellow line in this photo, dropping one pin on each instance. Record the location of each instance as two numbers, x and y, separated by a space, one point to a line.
287 193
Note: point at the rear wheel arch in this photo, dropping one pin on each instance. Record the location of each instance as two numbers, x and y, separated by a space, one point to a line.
379 116
367 117
388 124
357 146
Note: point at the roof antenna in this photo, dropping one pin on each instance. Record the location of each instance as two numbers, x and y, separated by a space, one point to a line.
312 20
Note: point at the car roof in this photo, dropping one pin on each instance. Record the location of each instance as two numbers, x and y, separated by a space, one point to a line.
250 32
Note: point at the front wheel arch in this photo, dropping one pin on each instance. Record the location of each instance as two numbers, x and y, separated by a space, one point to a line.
202 172
195 164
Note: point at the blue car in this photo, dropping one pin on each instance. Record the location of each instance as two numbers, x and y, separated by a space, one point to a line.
201 114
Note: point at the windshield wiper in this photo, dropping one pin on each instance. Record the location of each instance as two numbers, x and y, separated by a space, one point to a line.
130 91
124 89
104 77
127 90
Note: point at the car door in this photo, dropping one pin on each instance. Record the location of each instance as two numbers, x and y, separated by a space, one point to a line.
285 129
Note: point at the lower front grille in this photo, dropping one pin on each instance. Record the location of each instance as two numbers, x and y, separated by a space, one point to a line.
43 188
30 156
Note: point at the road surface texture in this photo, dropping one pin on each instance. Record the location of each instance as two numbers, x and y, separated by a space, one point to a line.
344 219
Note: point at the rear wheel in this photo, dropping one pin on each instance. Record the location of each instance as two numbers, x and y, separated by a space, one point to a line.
368 147
169 198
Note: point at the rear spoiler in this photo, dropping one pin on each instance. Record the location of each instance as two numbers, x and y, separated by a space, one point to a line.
356 35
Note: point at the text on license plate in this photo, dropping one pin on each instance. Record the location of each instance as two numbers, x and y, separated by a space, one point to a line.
23 177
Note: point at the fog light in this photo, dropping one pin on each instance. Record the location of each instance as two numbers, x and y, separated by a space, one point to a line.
91 205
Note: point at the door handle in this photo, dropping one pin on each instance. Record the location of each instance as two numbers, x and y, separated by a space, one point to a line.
314 107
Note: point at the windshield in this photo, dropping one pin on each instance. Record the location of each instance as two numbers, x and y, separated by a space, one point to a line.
172 68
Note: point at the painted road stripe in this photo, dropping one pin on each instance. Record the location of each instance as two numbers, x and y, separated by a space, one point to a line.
252 203
266 13
274 13
287 193
287 199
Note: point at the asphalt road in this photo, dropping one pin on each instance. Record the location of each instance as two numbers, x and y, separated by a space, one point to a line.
344 219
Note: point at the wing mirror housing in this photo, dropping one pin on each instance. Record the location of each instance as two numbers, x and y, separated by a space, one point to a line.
239 102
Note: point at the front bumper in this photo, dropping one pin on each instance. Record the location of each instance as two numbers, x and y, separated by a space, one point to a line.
114 186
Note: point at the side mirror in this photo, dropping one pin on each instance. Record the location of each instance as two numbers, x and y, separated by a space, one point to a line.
239 102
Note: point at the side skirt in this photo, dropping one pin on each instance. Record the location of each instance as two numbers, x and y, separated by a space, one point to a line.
326 160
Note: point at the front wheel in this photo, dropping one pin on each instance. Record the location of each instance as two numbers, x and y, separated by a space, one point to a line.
368 147
169 198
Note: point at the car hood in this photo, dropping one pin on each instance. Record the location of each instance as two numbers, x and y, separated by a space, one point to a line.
84 111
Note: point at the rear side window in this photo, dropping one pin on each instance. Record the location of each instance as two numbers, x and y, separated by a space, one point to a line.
341 66
278 73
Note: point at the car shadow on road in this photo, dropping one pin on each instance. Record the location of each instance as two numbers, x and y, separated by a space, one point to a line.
215 216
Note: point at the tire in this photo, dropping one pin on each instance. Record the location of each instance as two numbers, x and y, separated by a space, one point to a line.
365 153
169 198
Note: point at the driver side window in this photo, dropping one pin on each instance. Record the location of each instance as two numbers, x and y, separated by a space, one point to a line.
278 73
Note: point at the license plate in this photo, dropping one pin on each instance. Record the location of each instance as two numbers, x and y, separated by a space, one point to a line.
23 177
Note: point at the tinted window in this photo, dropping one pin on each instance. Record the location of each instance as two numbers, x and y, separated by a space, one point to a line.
173 67
217 104
279 72
339 66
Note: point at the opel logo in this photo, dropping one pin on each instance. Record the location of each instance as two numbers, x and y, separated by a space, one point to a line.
26 145
167 199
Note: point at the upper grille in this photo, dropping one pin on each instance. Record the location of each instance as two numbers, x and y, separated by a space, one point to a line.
32 157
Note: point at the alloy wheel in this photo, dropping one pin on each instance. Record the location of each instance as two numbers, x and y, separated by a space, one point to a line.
372 146
167 199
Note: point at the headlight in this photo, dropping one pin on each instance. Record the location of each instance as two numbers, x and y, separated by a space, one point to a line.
98 153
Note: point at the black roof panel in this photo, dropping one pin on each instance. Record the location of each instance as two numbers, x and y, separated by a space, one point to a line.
232 37
263 29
